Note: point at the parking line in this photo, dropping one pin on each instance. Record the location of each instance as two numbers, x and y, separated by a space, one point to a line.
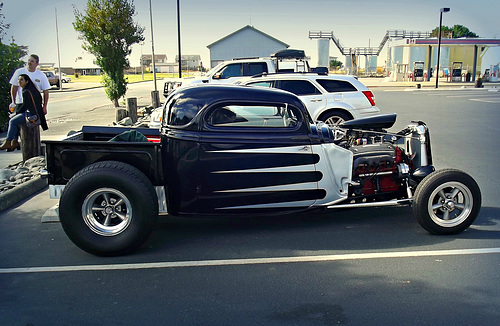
250 261
67 98
486 100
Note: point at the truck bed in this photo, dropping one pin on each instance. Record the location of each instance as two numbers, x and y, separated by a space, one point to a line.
92 144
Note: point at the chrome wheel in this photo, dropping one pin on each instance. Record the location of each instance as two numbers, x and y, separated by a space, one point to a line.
107 211
334 120
450 204
447 201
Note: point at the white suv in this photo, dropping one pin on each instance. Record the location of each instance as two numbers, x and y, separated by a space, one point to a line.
329 98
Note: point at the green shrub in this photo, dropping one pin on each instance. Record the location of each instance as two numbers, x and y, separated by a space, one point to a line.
10 60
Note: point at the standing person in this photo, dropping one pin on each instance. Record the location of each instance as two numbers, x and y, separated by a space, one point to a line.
30 107
37 77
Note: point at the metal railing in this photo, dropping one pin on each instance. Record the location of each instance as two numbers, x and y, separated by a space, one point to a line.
367 50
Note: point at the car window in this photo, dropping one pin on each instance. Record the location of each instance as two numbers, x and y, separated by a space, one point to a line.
334 86
181 112
267 83
232 70
298 87
253 116
254 68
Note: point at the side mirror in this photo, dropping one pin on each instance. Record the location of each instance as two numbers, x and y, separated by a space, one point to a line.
217 76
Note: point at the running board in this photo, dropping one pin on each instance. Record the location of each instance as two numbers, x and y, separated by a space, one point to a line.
395 202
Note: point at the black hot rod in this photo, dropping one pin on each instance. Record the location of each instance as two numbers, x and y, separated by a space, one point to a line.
232 150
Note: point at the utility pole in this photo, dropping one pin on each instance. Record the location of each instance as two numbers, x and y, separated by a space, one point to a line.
152 44
179 38
58 53
439 41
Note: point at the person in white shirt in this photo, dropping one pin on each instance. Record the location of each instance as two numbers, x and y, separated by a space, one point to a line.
37 77
41 83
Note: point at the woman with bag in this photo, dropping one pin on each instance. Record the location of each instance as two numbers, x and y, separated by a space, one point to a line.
29 113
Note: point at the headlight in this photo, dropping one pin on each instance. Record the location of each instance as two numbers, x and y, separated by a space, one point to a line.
156 117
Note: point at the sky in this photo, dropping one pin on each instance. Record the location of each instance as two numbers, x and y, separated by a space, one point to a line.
357 23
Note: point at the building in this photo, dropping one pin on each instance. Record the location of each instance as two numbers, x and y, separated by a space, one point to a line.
464 53
245 42
147 59
190 62
84 65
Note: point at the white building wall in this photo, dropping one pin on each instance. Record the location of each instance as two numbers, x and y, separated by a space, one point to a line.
246 43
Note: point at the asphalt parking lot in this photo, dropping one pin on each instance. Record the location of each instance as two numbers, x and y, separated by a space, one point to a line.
373 266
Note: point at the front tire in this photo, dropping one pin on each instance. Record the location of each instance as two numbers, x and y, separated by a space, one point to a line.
447 202
108 208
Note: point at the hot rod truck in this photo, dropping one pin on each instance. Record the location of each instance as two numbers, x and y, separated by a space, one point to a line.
232 150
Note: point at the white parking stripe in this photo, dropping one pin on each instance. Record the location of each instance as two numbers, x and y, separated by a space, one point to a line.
251 261
486 100
67 98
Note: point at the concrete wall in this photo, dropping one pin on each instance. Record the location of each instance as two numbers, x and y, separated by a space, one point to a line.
323 52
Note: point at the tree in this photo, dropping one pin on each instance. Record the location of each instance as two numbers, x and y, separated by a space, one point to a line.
457 30
3 26
108 31
10 60
335 64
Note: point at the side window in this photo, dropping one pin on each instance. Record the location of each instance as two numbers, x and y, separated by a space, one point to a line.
266 83
334 86
254 116
254 68
232 70
181 113
298 87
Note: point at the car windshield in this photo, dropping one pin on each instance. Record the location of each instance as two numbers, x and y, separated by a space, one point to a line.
214 69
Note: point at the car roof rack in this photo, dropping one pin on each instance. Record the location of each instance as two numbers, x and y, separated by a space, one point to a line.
247 58
289 54
319 73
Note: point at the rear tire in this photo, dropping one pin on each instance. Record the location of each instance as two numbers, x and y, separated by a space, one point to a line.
447 202
335 118
108 208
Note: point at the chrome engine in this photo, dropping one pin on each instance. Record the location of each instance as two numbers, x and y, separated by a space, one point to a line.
386 165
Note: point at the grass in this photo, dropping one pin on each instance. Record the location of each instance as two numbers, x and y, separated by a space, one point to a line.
131 78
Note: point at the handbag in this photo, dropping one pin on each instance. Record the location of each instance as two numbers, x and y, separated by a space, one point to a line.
32 120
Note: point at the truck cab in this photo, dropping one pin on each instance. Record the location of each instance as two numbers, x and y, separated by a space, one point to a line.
228 72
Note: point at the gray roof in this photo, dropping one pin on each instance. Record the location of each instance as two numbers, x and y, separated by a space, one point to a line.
248 27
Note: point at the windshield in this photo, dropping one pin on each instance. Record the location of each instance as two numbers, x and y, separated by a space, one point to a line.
214 69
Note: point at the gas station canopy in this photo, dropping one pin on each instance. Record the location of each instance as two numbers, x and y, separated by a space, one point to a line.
477 47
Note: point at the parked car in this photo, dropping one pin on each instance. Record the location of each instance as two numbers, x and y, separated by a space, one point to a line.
226 72
235 150
65 78
53 78
329 98
155 118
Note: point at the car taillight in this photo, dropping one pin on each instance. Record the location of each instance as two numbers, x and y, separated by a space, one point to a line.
369 95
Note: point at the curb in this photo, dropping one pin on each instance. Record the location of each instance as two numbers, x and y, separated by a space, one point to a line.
22 192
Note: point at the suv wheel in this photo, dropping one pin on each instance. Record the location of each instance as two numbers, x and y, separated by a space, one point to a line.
335 117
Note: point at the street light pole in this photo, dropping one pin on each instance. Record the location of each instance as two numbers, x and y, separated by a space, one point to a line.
439 41
179 38
152 44
58 54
